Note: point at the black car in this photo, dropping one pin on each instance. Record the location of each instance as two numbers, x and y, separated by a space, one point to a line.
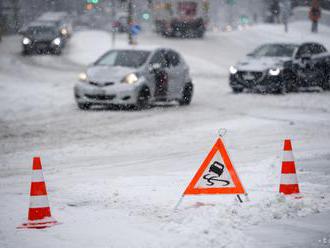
60 19
42 38
282 67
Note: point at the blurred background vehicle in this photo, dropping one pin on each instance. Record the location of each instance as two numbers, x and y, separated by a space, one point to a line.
60 19
181 18
135 77
42 38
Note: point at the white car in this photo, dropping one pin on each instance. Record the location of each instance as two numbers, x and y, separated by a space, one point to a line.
134 77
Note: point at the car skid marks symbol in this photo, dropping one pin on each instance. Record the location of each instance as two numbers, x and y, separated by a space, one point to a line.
215 168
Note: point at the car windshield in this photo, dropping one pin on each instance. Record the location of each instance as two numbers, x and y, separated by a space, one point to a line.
274 50
124 58
47 31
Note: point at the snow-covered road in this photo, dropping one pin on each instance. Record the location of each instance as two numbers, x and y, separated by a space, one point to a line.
114 176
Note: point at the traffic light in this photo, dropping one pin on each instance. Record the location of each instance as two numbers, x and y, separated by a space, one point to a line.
231 2
90 4
93 1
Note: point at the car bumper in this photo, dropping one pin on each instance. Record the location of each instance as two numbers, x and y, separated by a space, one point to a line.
41 47
121 94
266 84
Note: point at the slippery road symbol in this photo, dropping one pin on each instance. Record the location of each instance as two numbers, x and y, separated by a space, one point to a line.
215 172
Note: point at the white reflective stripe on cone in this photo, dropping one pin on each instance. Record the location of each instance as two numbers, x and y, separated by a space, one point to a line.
40 201
37 176
289 178
288 156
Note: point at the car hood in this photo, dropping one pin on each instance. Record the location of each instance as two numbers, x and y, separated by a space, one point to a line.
42 37
260 64
105 74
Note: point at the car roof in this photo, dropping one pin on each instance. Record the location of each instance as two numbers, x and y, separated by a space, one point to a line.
39 24
143 48
53 16
311 43
282 43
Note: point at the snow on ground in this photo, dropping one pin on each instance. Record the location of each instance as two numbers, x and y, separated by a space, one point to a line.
114 177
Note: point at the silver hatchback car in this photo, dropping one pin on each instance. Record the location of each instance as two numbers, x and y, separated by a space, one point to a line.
134 77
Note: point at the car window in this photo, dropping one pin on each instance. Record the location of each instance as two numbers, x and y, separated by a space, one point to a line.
310 49
322 49
40 30
302 50
160 58
274 50
124 58
173 58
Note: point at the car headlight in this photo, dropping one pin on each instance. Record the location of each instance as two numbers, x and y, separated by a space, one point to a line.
130 78
83 76
274 71
26 41
57 41
232 70
64 31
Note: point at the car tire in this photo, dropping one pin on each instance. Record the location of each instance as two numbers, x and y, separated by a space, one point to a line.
237 90
84 106
283 89
57 52
26 52
187 94
143 99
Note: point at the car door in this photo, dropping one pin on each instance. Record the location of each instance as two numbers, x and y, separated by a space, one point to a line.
158 74
308 70
175 74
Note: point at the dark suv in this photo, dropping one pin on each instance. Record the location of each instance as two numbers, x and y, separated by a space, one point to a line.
42 38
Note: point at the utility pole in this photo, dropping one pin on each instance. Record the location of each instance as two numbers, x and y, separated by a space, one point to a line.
130 22
113 28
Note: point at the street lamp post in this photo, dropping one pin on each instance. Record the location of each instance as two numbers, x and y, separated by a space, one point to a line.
130 22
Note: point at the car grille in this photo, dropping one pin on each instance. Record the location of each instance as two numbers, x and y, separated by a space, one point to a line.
101 84
250 76
100 97
41 44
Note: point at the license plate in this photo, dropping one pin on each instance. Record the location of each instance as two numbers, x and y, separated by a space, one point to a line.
99 92
248 76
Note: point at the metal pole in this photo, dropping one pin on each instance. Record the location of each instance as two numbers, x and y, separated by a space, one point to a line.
113 30
130 22
179 202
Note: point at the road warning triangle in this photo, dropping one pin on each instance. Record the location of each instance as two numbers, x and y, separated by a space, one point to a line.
216 174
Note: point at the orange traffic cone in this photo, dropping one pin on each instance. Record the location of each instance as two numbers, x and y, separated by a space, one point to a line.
289 181
39 211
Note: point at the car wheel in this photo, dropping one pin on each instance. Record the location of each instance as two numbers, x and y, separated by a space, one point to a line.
237 90
26 52
187 94
143 99
283 89
57 51
84 106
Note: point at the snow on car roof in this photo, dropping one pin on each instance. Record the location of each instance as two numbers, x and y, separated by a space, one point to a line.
39 24
282 43
53 16
141 48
